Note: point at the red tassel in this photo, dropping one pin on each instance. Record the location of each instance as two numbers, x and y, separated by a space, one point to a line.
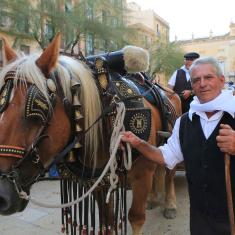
109 230
120 224
84 230
62 229
69 220
92 231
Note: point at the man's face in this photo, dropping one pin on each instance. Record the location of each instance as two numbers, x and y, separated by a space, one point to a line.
205 83
188 62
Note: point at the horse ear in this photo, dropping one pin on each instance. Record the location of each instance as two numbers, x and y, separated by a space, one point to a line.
48 59
10 54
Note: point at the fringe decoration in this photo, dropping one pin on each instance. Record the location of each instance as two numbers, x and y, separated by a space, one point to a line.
81 219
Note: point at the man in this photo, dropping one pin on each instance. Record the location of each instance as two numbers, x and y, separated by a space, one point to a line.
200 138
180 81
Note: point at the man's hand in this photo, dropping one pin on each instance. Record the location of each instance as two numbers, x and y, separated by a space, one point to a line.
226 139
131 138
186 94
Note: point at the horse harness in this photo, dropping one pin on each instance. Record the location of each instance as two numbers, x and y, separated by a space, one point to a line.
113 88
37 108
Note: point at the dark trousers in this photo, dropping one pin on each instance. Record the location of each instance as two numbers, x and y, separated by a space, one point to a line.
201 224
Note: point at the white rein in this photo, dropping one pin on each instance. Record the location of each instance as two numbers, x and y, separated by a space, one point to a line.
112 164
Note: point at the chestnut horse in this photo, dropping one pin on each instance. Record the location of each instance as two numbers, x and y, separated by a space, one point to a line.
36 125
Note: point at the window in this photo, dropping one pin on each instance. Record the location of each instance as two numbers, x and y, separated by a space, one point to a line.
114 21
25 49
89 10
49 30
68 6
89 44
104 17
5 21
158 30
1 54
23 25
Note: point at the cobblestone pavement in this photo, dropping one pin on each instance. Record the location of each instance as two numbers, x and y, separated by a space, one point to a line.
43 221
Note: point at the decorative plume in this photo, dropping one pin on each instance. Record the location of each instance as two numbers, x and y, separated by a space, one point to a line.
136 59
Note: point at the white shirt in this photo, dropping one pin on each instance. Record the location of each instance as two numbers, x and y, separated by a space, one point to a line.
172 80
172 151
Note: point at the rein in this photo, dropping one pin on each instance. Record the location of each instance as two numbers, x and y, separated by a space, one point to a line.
112 164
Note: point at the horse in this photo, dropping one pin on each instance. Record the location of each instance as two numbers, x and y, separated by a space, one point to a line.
50 102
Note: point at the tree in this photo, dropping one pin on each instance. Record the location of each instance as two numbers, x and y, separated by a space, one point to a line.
41 19
165 58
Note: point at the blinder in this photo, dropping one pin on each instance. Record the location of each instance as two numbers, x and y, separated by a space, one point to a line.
5 94
37 106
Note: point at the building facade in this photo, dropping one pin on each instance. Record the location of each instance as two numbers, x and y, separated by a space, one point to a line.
220 47
150 27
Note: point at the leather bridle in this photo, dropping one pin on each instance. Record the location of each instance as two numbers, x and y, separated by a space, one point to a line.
30 157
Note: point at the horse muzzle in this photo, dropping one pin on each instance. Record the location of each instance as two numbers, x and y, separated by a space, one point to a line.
10 202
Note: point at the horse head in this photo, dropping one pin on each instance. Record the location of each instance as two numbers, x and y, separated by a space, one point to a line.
36 103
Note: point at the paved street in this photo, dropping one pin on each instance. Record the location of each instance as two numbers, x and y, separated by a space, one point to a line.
42 221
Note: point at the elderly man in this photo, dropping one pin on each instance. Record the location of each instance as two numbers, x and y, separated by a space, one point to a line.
180 81
200 138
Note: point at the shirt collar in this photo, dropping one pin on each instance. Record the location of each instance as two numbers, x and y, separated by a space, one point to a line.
203 115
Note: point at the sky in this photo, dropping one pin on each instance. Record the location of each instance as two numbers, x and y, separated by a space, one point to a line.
197 18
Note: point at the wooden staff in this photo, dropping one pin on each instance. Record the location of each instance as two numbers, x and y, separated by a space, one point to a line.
229 193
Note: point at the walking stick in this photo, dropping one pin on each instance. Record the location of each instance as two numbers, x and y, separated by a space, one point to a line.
229 193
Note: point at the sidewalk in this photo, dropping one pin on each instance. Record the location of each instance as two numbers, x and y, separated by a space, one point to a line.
36 220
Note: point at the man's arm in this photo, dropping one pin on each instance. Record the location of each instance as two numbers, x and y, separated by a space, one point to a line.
147 150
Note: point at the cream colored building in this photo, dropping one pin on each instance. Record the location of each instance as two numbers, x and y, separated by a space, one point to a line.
220 47
150 26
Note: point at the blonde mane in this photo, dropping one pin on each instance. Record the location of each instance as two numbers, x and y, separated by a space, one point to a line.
67 69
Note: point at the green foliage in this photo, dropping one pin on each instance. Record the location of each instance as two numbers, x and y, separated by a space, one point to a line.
165 58
40 20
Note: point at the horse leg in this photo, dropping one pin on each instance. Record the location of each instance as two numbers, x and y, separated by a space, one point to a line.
106 213
156 196
170 197
141 182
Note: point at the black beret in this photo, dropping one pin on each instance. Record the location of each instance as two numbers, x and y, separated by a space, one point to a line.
191 55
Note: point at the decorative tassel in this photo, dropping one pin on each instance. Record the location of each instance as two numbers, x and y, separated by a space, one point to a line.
92 231
84 230
63 229
109 230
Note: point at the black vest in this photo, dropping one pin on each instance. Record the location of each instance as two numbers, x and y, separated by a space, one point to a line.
204 165
182 84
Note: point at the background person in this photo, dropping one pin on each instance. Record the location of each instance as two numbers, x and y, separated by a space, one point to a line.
201 137
180 81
